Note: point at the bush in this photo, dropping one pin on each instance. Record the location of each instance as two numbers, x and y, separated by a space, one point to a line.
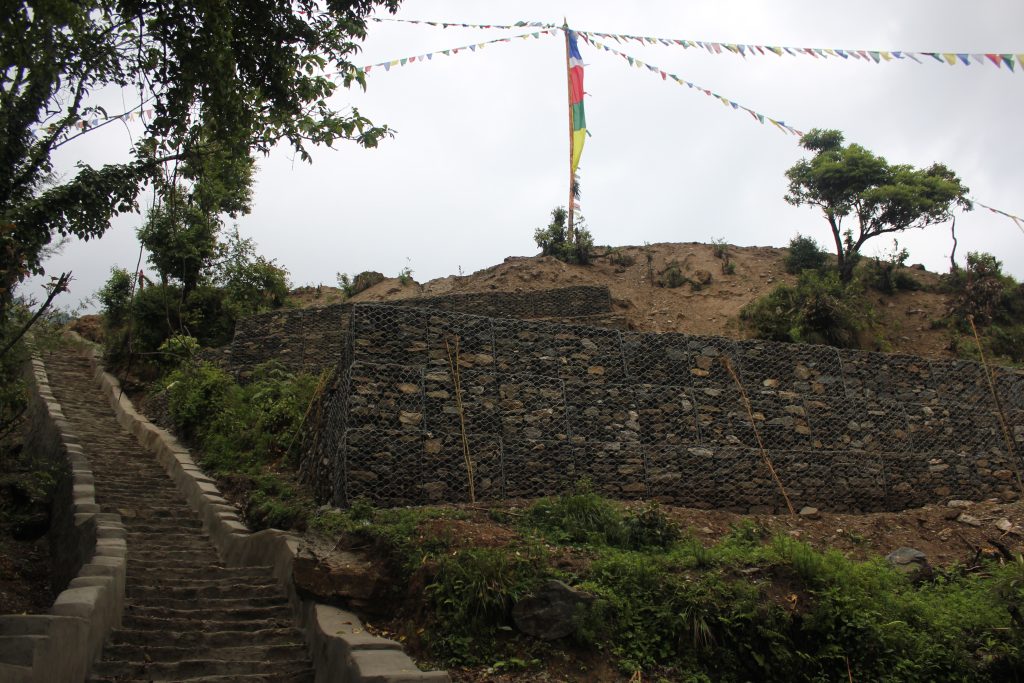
817 310
887 274
360 283
994 300
619 258
805 254
672 276
553 240
115 298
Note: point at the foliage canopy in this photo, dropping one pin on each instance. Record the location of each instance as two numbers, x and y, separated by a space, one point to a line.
850 181
247 74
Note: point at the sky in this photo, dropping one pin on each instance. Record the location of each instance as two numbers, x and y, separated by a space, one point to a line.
480 152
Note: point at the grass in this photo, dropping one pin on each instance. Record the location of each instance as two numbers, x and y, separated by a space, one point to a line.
753 606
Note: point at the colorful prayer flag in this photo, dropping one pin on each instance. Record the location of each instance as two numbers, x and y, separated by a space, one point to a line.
579 122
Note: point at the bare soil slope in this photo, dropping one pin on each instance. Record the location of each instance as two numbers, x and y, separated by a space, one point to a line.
633 273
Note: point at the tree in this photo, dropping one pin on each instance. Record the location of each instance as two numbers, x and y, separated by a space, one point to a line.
247 74
181 232
881 198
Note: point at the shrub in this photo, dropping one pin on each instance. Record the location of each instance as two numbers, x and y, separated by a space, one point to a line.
582 517
805 254
115 298
887 274
817 310
360 283
619 258
196 394
672 276
553 240
996 302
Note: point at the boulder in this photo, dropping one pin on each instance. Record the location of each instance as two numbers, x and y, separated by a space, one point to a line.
551 612
906 559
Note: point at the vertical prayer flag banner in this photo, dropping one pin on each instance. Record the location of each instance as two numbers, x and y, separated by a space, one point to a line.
579 122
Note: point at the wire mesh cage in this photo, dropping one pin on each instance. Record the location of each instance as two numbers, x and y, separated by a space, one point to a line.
535 468
599 413
385 397
808 370
888 377
657 358
446 465
667 415
540 406
847 424
614 469
532 407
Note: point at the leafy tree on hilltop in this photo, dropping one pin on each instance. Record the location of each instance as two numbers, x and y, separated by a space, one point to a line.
246 74
881 198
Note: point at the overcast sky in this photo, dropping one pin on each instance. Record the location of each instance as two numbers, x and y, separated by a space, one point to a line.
480 153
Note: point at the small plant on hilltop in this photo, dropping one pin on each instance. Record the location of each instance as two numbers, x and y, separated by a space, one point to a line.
553 240
887 273
405 274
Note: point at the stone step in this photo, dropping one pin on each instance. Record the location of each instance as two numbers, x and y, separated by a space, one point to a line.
219 604
190 525
306 676
194 668
172 555
209 638
234 651
164 581
144 564
149 595
204 613
159 626
206 571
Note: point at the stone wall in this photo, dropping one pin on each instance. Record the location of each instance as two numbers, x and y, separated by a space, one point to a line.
311 339
649 416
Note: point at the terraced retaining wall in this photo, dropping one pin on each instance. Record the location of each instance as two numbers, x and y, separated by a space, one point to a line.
650 416
310 339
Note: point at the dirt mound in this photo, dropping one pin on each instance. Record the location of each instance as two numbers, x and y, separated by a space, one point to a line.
711 306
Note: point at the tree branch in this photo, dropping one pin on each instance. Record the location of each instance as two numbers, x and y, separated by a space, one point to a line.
60 286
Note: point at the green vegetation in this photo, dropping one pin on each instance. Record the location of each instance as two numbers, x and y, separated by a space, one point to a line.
361 282
138 319
805 254
245 435
750 607
211 105
819 309
888 273
883 198
553 240
995 301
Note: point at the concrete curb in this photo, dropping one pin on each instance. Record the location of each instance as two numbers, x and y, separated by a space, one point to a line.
341 650
60 647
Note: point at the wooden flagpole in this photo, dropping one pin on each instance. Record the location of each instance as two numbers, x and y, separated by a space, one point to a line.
572 179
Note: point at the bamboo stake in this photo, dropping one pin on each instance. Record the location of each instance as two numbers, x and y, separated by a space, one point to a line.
453 362
757 434
572 178
999 406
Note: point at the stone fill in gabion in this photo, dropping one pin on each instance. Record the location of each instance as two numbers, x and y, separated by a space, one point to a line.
544 406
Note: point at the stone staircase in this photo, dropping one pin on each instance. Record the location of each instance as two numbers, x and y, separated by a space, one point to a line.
187 616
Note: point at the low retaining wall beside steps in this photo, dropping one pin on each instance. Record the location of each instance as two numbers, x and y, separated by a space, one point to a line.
89 557
650 416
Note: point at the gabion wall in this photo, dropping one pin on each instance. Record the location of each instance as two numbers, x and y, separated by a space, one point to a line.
649 416
311 339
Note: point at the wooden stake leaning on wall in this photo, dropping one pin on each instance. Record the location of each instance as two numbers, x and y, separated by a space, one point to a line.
757 434
453 363
1003 424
